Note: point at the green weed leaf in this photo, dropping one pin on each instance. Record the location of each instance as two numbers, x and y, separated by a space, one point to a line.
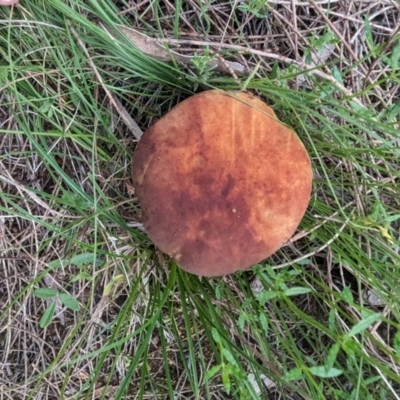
78 260
362 325
324 372
216 336
304 261
69 301
212 372
82 276
266 295
332 355
347 295
228 356
226 381
48 315
337 75
74 200
58 263
293 374
85 258
45 293
296 290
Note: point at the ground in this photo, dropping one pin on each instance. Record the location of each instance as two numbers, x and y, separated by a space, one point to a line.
89 308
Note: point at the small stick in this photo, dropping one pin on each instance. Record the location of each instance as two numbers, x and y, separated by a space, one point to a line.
226 64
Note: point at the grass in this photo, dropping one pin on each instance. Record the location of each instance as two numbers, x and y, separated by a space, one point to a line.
90 309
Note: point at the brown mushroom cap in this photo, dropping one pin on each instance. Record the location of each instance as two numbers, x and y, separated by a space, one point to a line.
221 182
8 2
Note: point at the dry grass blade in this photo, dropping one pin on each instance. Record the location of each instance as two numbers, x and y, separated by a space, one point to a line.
132 125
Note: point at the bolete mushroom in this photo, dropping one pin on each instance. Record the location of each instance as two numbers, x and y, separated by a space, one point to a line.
222 184
8 2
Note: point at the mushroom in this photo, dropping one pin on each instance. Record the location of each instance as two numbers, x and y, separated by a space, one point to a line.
221 182
8 2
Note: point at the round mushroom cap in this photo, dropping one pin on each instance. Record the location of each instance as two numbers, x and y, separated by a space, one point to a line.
8 2
222 184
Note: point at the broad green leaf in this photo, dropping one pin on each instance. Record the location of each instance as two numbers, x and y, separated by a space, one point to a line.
275 72
304 261
69 301
293 374
212 372
47 315
75 200
333 352
82 276
228 356
216 336
226 381
57 263
395 217
45 293
371 380
347 295
356 106
79 260
296 290
324 372
337 75
266 295
362 325
85 258
392 112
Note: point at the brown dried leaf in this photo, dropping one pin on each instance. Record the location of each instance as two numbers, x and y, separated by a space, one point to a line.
152 48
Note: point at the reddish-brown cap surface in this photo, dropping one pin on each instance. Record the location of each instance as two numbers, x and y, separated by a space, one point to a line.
221 182
8 2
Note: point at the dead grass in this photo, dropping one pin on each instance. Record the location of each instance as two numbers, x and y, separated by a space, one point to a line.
71 103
